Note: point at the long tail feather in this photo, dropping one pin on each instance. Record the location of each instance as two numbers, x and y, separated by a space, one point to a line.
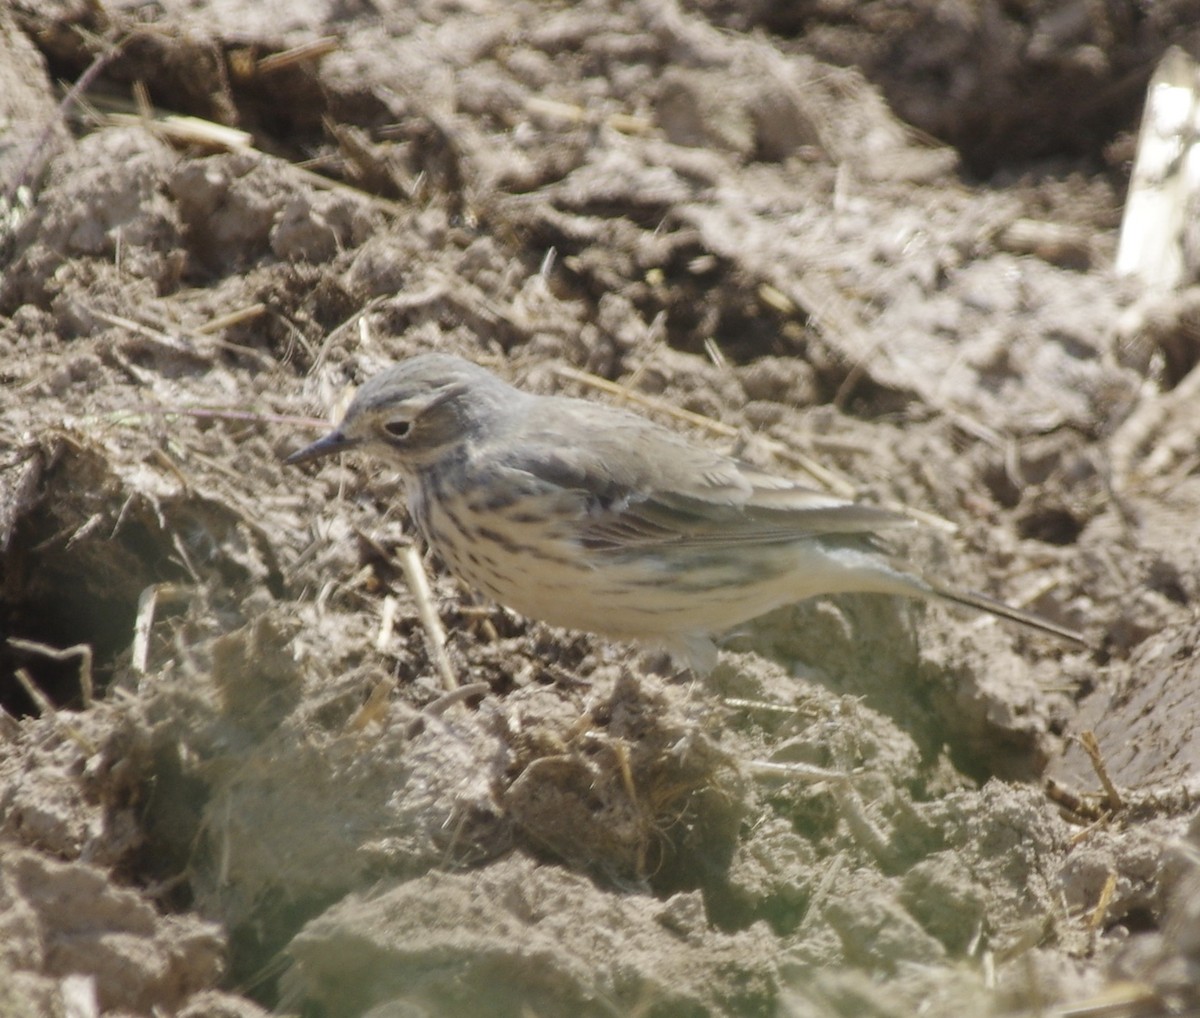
982 602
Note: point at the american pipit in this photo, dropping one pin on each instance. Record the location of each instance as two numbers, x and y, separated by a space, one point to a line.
594 518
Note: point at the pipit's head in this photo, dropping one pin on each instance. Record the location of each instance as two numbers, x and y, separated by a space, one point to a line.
418 412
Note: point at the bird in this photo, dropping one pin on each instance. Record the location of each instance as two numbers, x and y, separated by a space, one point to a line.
592 517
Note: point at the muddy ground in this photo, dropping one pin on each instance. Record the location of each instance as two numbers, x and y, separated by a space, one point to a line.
869 244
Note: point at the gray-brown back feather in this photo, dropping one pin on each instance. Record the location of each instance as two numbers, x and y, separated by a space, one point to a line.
643 485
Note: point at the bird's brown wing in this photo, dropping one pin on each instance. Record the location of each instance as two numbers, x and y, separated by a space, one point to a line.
637 485
683 520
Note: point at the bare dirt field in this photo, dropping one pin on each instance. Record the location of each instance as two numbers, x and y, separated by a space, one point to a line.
870 245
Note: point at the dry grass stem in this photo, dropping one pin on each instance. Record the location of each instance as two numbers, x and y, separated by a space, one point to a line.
418 583
82 651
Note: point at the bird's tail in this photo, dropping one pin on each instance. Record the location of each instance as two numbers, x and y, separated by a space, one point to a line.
981 602
828 570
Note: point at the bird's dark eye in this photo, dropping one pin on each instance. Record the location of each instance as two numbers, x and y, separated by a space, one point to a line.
398 429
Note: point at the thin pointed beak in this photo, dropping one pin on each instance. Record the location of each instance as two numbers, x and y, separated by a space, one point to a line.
334 442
